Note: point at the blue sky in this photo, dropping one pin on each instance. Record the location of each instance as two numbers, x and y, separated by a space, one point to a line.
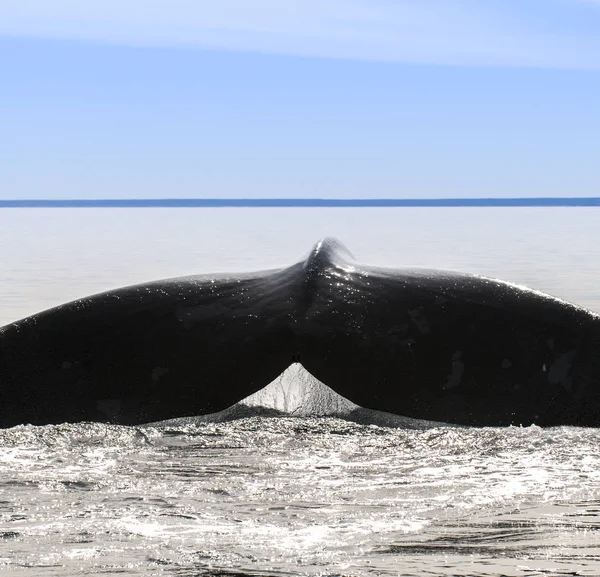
325 98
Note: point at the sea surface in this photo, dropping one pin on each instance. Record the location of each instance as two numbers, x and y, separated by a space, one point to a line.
295 481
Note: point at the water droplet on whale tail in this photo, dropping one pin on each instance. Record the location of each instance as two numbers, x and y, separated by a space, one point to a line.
324 253
297 393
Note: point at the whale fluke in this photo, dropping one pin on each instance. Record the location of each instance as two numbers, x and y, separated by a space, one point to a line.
425 344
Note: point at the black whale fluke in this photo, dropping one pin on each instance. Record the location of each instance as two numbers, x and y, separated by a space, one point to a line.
425 344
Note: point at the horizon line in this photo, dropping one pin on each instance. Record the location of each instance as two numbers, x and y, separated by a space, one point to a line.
300 202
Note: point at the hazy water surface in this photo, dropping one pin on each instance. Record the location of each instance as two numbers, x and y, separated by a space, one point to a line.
295 495
53 255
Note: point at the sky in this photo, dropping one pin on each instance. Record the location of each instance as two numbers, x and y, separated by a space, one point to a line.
307 98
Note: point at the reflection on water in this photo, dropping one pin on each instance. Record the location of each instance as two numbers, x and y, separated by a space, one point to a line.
299 495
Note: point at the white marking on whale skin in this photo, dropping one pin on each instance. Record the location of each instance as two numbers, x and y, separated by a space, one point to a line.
157 373
458 369
506 364
110 407
559 370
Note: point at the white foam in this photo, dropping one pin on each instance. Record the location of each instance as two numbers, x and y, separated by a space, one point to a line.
297 393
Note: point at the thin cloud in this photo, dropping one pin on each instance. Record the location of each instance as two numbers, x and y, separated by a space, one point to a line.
447 32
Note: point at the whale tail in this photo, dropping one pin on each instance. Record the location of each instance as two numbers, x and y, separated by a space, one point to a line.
425 344
147 353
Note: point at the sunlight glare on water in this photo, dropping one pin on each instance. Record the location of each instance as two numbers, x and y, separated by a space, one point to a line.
298 495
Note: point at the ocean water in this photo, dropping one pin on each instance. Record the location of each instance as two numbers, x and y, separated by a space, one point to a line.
295 481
